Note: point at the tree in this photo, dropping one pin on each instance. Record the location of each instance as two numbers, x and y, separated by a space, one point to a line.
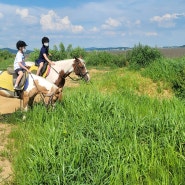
62 51
69 50
55 48
78 52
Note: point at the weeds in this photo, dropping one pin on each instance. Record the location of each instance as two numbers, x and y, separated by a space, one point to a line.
95 138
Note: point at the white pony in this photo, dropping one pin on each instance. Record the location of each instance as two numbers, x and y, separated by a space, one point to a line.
33 86
63 68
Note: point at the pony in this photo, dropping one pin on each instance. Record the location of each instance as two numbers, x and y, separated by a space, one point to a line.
62 69
34 85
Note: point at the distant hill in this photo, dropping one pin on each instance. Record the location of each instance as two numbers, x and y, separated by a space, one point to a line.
14 51
107 49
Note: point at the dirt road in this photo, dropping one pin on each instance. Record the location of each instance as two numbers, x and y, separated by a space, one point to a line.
8 105
5 164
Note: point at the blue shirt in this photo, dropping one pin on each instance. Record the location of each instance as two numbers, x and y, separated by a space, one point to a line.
44 50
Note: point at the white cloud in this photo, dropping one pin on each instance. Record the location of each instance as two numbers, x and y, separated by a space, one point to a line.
167 20
53 22
76 29
24 14
111 23
1 15
123 34
137 22
110 33
151 34
94 29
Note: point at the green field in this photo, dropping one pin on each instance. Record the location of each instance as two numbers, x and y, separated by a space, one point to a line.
125 127
110 131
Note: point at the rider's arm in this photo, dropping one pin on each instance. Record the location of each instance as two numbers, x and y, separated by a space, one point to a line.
22 66
47 59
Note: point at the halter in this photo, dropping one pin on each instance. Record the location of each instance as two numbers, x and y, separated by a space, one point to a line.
81 75
68 75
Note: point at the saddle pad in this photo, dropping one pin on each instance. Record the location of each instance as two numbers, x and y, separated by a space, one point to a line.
34 68
6 81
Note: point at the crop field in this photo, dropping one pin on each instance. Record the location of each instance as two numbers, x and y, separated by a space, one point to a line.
173 52
110 131
166 52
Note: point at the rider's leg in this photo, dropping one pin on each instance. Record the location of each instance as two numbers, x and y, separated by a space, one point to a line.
20 75
39 68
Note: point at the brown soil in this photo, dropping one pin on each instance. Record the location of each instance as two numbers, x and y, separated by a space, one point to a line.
8 105
5 164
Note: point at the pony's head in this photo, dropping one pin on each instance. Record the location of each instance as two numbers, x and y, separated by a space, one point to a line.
80 69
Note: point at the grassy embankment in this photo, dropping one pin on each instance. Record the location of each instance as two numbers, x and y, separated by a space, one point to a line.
113 131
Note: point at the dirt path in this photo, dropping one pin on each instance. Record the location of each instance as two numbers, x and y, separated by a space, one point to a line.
5 164
8 105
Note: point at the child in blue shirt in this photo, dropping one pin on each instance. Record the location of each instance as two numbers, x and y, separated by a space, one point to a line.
43 56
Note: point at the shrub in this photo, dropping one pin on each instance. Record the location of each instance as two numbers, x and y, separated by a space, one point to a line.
140 56
179 80
171 71
5 54
6 59
34 55
103 58
77 52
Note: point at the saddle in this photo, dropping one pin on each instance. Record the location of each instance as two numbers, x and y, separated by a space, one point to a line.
44 68
22 82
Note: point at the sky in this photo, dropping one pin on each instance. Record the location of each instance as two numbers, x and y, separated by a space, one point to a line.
88 23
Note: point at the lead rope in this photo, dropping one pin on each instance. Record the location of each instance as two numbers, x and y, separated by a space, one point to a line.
41 94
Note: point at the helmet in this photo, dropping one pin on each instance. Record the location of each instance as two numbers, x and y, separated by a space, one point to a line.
45 39
20 43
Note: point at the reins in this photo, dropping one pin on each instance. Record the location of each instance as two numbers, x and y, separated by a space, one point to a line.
42 95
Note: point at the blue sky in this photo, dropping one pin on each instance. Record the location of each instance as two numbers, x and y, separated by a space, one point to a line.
85 23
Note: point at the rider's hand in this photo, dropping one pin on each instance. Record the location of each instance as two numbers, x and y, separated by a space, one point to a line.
28 70
52 63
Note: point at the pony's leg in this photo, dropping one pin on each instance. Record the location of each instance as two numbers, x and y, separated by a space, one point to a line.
25 98
30 102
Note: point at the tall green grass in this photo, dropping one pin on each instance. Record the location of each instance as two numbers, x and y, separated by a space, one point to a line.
171 71
93 137
4 63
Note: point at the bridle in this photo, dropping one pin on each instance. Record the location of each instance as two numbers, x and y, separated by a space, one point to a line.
78 68
81 75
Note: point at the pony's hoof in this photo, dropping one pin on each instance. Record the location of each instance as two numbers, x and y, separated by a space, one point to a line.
24 118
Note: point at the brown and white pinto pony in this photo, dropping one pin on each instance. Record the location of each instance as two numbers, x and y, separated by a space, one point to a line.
64 68
35 85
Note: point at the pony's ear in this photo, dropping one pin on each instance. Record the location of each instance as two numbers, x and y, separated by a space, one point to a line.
76 59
